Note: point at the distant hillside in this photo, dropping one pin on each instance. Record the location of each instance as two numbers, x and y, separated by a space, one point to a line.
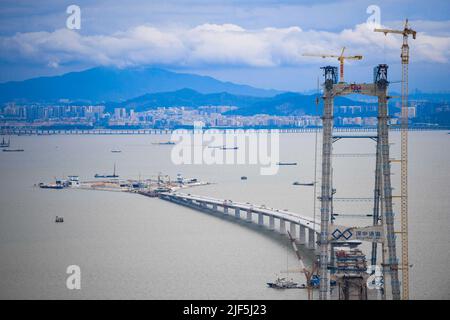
283 104
185 98
112 84
291 104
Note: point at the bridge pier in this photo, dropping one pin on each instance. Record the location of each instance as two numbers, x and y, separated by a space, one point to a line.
302 234
292 229
225 210
311 239
260 219
272 223
282 226
237 213
249 216
214 206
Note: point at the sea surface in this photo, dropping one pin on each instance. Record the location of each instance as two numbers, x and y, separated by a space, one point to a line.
133 247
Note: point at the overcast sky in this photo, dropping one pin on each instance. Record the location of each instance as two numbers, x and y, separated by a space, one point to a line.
248 41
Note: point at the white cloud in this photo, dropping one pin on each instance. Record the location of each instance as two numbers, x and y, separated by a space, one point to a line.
214 44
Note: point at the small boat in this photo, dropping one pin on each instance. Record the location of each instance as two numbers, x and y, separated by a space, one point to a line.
286 163
116 151
283 283
13 150
59 219
296 183
243 178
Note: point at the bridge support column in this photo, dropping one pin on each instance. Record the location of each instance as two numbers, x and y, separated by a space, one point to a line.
302 234
271 223
249 216
237 213
292 229
214 206
282 226
260 219
311 239
225 210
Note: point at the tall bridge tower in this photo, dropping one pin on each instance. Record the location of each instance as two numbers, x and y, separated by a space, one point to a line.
383 215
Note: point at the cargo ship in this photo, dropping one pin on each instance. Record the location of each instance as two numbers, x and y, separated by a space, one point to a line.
308 184
286 163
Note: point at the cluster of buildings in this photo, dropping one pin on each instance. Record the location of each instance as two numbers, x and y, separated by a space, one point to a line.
50 115
171 117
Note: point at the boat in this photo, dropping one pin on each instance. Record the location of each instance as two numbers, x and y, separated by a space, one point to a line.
4 144
296 183
286 163
228 148
283 283
164 143
114 175
13 150
57 185
116 151
59 219
243 178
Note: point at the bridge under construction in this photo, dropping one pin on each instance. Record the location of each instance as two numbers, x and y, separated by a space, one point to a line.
345 267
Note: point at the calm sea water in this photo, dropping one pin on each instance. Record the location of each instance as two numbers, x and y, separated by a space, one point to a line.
133 247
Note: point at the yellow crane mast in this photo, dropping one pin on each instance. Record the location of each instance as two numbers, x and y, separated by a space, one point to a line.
340 58
308 273
404 152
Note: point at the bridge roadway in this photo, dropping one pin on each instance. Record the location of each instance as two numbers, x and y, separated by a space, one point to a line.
305 229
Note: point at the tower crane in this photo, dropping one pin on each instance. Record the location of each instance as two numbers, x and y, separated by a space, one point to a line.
340 58
404 152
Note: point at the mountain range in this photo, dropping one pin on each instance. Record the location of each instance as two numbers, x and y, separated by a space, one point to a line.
145 88
290 103
102 84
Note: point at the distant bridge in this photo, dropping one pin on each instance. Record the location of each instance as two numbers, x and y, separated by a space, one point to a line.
304 228
6 130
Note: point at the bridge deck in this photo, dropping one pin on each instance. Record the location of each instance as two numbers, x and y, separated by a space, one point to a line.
279 214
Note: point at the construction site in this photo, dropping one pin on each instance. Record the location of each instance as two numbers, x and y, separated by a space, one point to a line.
340 262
